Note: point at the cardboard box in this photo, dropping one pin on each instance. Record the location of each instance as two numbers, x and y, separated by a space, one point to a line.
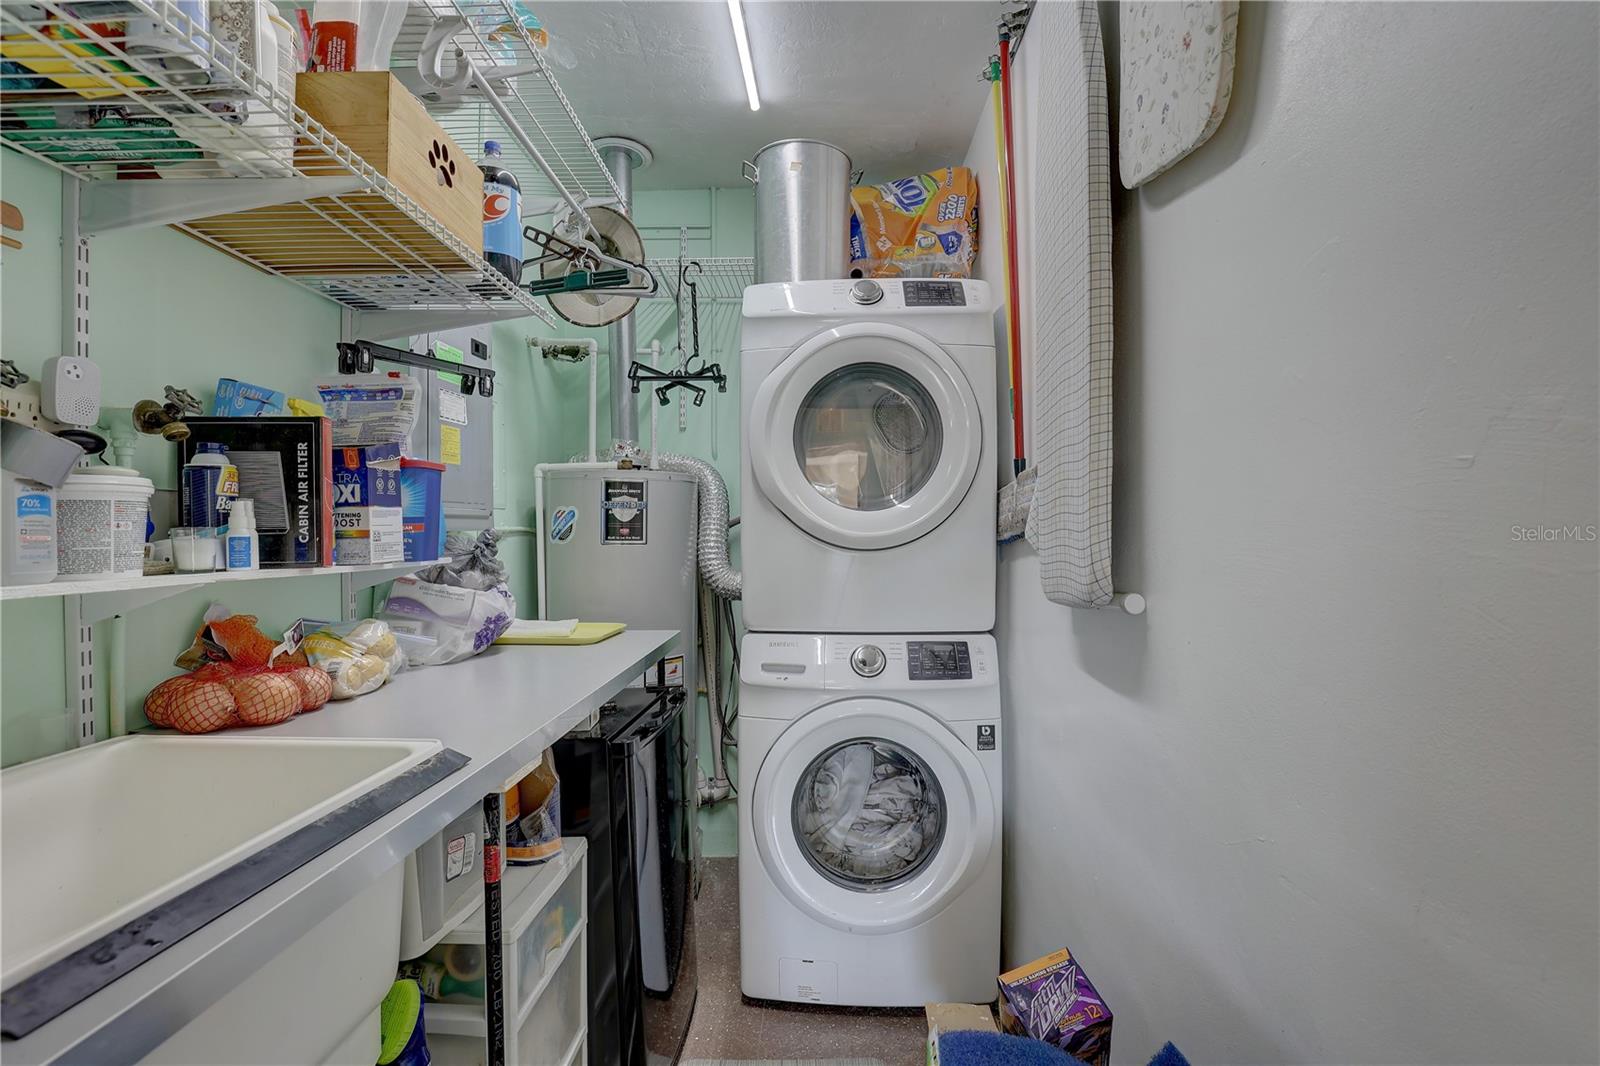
366 477
365 535
1051 999
286 466
955 1018
367 519
240 399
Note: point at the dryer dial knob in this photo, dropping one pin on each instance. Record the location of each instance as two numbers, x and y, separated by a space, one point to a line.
868 660
866 292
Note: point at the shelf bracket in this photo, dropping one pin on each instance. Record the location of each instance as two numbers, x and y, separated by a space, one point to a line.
106 206
360 357
99 606
77 638
396 324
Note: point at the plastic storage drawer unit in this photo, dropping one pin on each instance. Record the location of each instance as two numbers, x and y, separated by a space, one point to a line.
545 930
444 884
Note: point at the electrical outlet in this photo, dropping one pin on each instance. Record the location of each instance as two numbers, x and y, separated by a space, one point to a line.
23 404
20 403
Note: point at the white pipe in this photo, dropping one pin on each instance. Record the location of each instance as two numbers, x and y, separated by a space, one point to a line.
594 398
655 420
538 523
594 373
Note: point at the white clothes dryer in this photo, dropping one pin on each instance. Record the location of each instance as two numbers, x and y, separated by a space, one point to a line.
867 480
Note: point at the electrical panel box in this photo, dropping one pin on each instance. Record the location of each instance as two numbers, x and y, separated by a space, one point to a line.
457 429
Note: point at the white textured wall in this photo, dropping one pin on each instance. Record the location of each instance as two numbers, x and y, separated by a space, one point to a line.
1334 798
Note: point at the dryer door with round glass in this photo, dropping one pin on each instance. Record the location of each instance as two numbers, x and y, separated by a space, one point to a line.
866 436
871 815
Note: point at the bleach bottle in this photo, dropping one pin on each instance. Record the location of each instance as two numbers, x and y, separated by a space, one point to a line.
502 215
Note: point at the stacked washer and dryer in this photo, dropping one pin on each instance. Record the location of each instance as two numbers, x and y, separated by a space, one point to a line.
869 725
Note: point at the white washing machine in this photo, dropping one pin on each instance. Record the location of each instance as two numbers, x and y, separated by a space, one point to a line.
869 819
867 479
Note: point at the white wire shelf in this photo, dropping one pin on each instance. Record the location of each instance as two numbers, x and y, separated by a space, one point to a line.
190 135
720 278
533 97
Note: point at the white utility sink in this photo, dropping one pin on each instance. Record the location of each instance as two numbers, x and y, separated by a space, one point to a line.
92 838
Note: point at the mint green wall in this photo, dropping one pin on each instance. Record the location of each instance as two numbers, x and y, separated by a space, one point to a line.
168 310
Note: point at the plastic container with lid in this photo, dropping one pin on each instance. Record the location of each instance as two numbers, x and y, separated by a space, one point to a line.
101 513
29 553
209 484
422 509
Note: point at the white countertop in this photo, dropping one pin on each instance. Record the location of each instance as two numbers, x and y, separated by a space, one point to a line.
500 709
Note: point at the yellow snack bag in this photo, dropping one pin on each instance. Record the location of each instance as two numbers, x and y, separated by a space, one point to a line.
924 226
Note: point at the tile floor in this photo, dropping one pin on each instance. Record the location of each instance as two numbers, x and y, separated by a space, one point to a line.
728 1029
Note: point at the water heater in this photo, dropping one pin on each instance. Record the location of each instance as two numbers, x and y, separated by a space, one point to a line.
620 547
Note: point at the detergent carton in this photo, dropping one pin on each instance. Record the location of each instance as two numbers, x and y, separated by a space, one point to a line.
925 226
367 523
1051 999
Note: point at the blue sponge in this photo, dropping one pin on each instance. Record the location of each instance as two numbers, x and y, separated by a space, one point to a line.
972 1048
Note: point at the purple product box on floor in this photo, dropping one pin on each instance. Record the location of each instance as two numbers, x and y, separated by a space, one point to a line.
1051 999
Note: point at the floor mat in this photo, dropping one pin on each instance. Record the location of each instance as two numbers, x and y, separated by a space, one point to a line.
784 1062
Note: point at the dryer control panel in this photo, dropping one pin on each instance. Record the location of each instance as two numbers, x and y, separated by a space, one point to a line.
868 661
939 660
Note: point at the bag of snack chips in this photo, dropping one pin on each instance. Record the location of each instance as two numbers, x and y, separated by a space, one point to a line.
924 226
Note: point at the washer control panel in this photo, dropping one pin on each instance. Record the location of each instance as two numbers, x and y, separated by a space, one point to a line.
938 660
869 662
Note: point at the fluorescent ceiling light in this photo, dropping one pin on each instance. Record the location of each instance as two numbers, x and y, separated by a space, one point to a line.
742 40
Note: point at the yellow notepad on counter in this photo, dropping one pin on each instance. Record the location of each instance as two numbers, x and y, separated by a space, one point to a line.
564 632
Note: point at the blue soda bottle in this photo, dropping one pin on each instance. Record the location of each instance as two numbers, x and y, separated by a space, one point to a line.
502 215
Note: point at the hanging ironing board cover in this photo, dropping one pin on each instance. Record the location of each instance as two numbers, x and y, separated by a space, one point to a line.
1070 520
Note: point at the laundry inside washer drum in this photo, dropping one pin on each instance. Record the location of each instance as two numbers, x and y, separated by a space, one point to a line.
869 813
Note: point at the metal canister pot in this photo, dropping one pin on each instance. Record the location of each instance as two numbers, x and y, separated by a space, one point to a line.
802 211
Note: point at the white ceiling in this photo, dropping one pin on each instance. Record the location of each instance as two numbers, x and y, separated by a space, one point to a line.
892 82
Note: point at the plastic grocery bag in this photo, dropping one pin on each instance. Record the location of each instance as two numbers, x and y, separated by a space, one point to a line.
371 409
456 608
360 657
448 622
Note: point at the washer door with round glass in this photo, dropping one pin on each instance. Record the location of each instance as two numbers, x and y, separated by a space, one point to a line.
870 815
866 436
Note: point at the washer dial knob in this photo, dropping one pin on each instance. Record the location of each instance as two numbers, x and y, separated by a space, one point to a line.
866 292
868 660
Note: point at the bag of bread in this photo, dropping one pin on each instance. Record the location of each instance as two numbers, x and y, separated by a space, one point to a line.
358 656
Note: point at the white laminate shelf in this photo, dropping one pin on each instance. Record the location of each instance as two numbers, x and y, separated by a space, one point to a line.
524 890
113 595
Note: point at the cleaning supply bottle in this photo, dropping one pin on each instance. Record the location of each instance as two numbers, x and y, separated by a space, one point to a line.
242 548
502 215
209 485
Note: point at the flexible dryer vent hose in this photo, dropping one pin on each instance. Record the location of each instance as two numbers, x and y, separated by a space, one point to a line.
715 565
